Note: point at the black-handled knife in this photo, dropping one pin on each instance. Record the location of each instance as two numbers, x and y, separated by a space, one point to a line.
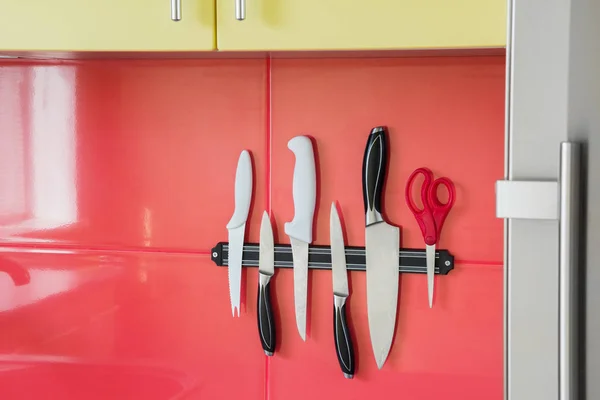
343 342
374 166
266 268
382 241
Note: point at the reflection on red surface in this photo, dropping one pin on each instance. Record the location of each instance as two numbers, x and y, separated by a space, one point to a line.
116 178
18 274
64 378
13 200
122 154
39 143
119 324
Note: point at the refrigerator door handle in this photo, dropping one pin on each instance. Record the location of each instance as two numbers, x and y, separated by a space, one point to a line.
569 248
552 200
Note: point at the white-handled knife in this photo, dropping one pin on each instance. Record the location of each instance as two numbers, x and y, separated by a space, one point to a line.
341 333
237 228
300 228
382 242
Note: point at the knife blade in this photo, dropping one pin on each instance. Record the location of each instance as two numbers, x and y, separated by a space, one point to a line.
382 241
341 333
300 228
237 227
266 269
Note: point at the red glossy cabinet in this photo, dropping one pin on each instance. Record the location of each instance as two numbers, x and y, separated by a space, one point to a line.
116 179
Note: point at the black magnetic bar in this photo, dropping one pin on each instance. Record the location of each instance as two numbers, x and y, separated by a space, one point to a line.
319 257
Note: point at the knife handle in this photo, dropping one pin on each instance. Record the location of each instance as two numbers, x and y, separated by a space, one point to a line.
266 323
343 343
304 190
374 166
243 190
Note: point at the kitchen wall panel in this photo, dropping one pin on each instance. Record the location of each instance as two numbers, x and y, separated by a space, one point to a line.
111 169
452 351
443 113
128 154
130 325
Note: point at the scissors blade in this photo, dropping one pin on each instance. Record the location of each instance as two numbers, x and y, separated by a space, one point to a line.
430 254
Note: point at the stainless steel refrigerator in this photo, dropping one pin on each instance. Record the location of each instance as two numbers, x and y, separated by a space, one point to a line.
550 200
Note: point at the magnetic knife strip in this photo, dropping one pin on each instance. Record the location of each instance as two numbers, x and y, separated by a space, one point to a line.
319 257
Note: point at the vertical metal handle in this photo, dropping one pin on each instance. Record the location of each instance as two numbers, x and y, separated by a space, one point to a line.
569 192
176 10
240 10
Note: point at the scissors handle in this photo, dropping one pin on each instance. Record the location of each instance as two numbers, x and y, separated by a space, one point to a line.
441 210
424 216
433 214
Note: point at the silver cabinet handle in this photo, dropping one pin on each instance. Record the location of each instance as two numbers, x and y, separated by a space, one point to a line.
176 10
568 252
240 10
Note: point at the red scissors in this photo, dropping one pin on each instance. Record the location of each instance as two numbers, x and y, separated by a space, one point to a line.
431 217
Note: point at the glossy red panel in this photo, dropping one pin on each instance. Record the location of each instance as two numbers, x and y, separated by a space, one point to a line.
452 351
442 113
101 160
127 154
125 326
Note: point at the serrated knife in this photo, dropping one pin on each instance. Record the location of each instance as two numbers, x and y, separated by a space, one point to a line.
237 228
382 242
300 228
266 269
341 333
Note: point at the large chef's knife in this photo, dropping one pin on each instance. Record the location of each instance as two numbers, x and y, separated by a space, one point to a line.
237 227
341 334
381 248
266 269
300 228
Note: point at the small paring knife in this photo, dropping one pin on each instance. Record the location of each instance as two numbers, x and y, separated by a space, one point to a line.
341 333
266 269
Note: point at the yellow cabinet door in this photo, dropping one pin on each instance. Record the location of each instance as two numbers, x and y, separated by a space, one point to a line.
106 25
361 24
